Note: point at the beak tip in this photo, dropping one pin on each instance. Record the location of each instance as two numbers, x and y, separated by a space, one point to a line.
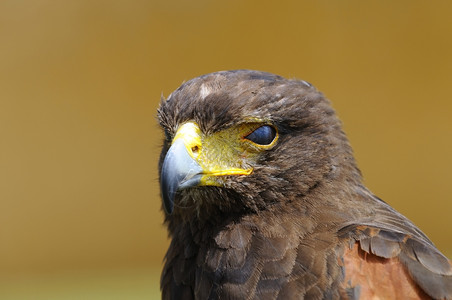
168 204
168 190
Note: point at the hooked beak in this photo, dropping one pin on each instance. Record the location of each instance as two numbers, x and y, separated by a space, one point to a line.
179 171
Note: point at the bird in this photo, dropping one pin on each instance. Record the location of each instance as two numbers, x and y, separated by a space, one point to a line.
263 199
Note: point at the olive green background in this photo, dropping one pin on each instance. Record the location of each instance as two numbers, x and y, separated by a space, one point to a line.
80 82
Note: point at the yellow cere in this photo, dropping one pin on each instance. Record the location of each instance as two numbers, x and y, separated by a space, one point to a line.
191 135
222 153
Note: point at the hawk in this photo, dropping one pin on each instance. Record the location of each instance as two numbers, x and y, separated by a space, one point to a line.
263 200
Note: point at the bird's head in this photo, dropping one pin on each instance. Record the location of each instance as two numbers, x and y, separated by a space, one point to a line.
243 141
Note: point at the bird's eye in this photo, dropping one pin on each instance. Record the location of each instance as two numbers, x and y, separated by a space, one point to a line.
263 135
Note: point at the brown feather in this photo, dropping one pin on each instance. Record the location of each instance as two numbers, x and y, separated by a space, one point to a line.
377 277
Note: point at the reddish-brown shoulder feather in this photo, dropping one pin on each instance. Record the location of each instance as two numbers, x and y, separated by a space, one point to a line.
374 277
384 264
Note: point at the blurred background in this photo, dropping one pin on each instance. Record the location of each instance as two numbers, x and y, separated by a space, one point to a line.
80 82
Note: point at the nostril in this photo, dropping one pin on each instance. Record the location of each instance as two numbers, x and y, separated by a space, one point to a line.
195 150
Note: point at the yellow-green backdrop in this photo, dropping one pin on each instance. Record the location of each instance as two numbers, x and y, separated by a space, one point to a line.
80 82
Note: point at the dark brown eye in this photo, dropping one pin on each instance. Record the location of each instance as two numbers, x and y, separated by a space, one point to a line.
263 135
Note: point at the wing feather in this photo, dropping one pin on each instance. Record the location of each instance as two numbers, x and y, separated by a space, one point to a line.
425 265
